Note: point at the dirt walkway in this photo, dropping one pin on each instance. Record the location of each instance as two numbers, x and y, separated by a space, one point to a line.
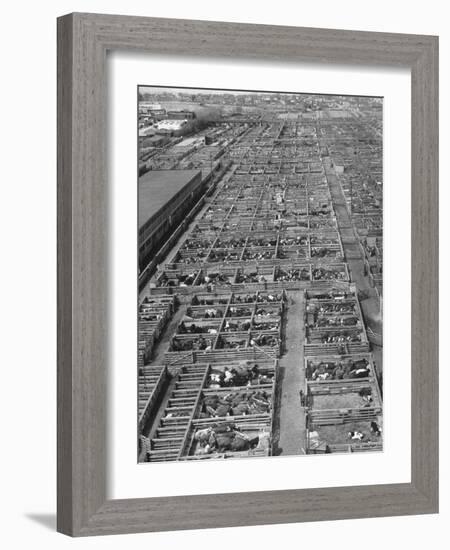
163 345
292 433
354 256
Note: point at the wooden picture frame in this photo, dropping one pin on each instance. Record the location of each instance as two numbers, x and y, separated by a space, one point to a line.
83 41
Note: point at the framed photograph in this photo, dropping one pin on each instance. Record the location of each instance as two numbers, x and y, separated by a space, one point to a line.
247 274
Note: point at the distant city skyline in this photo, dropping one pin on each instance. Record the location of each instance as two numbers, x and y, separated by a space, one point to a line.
155 90
206 91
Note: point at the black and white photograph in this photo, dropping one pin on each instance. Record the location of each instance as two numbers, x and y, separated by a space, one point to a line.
260 235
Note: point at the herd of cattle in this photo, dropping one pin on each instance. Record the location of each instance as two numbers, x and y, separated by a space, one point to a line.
270 227
342 396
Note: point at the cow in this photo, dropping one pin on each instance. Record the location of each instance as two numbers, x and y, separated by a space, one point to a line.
243 443
202 436
375 428
356 435
360 373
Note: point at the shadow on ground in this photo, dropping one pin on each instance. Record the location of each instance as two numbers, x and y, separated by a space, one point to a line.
276 449
46 520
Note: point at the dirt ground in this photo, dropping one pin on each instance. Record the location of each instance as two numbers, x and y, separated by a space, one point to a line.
339 434
290 421
350 400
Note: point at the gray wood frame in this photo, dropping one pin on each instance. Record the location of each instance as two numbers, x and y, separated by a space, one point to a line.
83 41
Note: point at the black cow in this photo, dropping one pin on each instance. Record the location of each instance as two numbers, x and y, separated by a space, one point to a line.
375 428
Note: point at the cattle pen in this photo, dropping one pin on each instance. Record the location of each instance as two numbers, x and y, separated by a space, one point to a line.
255 326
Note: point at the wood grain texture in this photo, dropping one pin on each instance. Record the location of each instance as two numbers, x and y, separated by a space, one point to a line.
425 272
64 276
83 40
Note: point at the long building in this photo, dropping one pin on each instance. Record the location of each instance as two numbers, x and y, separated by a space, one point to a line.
164 198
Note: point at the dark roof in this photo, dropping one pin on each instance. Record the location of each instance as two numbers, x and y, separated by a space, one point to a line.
157 187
